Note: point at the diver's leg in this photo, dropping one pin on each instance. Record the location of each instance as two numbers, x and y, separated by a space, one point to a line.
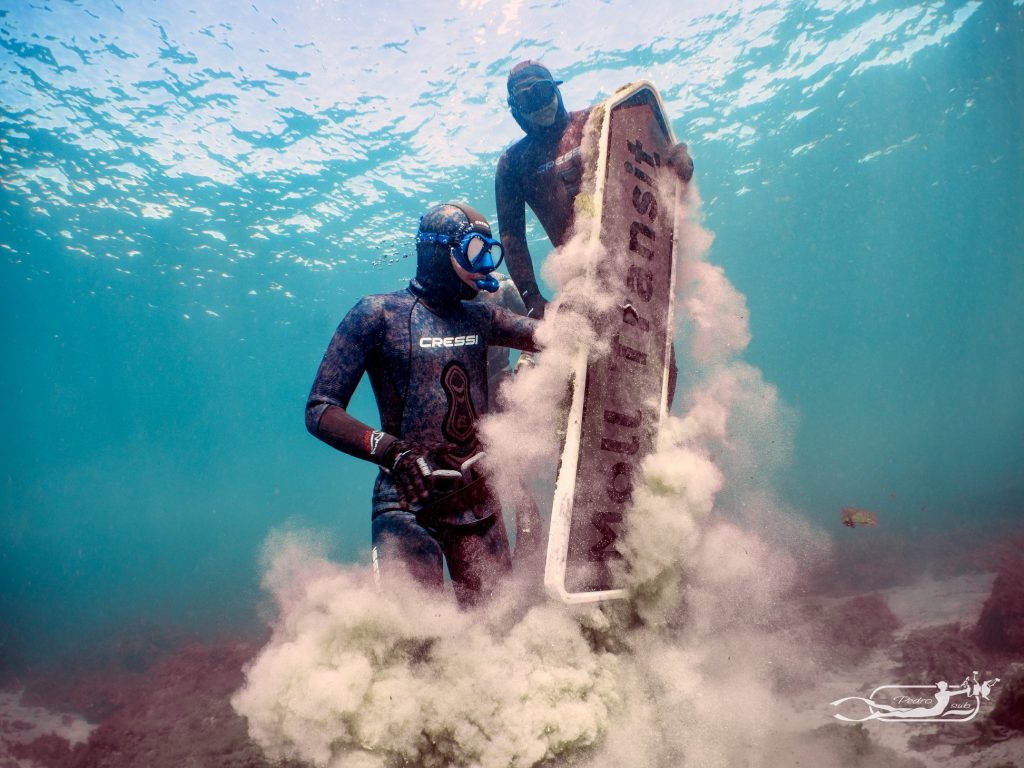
402 545
478 559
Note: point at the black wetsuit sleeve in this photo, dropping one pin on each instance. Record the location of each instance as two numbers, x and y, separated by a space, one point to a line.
507 329
342 367
511 202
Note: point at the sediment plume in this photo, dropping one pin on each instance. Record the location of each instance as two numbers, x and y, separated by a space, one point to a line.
683 672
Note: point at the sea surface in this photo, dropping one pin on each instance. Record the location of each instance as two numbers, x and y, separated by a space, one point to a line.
193 194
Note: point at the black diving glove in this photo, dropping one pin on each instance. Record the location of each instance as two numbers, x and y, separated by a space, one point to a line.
679 160
534 301
420 472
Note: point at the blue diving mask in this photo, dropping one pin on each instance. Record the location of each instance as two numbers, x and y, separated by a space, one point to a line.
474 252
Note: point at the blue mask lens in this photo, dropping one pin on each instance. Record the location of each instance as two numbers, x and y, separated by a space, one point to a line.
476 253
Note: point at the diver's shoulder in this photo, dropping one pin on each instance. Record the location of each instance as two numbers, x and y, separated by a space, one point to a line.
379 303
515 150
481 309
579 117
507 295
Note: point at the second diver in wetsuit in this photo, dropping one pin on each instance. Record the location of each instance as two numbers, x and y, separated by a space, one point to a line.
544 170
424 349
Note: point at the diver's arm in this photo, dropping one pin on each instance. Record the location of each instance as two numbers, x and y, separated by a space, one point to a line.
342 367
340 429
512 227
410 465
507 329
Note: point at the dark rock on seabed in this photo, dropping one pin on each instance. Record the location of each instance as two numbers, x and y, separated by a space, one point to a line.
178 713
1009 709
856 627
1001 625
944 652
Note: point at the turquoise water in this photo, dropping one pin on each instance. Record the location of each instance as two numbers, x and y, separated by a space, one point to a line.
193 196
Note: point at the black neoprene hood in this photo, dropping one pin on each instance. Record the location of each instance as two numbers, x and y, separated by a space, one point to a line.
525 71
436 279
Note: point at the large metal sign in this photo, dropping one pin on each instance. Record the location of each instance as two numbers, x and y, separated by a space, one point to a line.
620 392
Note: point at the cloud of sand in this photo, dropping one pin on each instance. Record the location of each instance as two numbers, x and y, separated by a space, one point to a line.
352 678
687 671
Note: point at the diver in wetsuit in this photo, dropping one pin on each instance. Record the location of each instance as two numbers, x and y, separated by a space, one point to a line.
544 170
424 349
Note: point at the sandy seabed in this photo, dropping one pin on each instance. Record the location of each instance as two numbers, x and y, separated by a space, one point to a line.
177 711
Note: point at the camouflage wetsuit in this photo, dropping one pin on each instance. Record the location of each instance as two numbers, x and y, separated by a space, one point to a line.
499 359
544 170
427 365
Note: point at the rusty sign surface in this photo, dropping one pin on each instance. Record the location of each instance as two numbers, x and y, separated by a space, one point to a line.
619 397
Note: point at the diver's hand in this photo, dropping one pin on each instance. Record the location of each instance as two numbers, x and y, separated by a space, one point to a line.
401 461
679 160
416 470
534 301
535 306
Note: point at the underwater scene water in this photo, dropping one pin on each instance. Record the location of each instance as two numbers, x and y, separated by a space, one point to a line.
194 194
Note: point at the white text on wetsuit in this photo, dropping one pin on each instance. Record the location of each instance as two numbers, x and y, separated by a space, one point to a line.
560 160
430 342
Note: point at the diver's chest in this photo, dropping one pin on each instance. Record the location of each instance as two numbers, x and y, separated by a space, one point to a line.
432 338
548 173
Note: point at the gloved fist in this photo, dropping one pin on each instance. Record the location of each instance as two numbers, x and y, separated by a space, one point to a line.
420 472
679 160
534 301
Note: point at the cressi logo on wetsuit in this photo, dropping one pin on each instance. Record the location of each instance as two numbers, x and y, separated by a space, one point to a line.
432 342
559 161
